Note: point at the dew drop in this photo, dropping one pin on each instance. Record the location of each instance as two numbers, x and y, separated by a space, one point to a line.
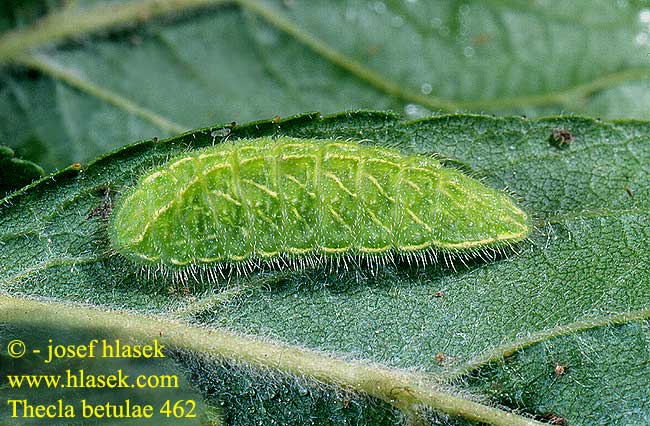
426 88
413 111
379 7
397 21
644 16
642 39
468 51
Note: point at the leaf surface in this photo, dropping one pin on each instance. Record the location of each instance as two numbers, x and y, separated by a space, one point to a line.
580 283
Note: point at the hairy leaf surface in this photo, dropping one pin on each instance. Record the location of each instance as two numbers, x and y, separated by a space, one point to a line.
576 294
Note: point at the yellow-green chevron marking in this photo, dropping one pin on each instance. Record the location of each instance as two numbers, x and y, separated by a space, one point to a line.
265 198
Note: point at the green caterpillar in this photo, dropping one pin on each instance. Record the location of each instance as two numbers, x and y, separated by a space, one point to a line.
296 200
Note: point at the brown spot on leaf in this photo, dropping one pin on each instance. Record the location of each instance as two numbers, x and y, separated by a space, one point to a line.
440 358
561 138
554 419
346 403
482 38
373 50
104 209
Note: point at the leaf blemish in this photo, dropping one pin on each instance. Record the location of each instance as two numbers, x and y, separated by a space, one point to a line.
440 358
561 138
105 208
554 419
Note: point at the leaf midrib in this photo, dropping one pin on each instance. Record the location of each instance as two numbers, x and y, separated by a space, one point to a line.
406 391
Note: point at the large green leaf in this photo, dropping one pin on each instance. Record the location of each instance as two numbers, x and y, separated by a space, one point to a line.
469 343
94 75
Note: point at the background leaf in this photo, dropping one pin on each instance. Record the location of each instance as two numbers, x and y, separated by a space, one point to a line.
576 294
95 75
14 172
